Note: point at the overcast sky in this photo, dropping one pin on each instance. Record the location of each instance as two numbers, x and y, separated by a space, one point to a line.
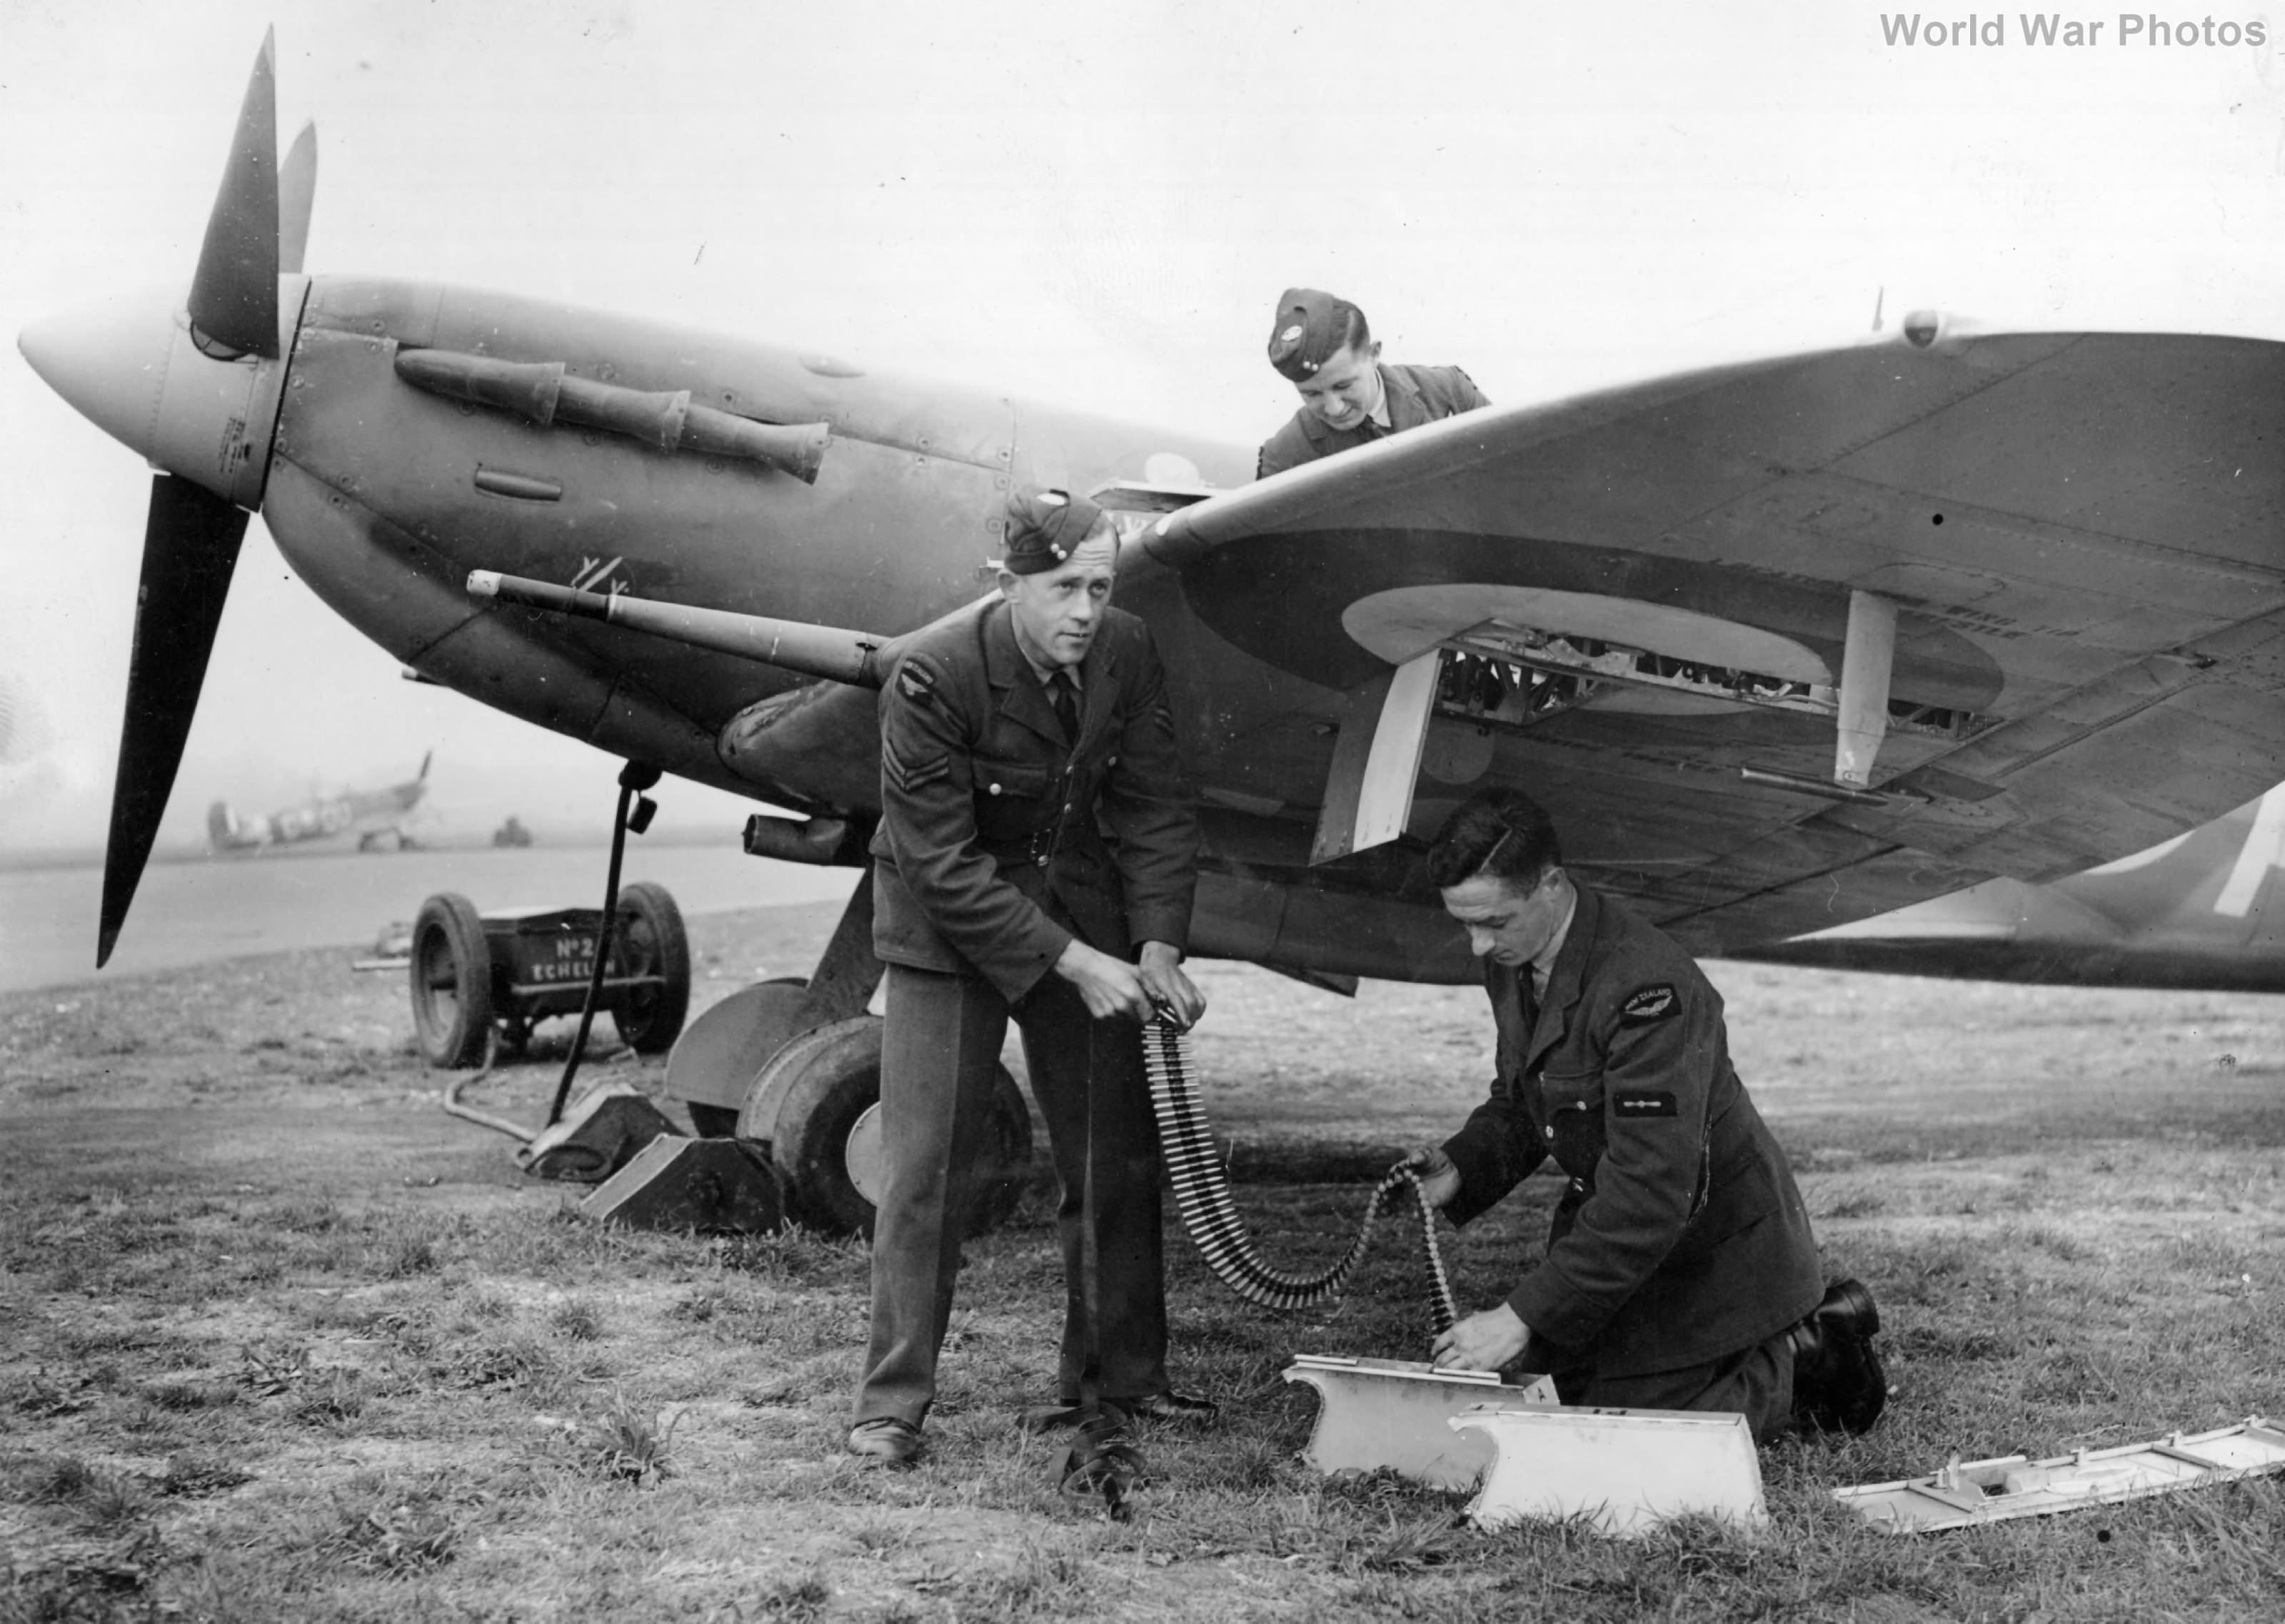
1090 203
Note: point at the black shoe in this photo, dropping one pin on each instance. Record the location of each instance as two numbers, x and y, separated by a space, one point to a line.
1849 1305
887 1439
1171 1406
1167 1406
1839 1385
1050 1417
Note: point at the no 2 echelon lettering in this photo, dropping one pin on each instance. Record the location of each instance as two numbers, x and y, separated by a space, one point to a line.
2053 28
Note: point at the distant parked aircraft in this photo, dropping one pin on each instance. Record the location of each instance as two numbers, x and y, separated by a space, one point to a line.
371 815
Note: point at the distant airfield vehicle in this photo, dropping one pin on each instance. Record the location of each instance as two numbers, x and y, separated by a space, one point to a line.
1781 645
371 815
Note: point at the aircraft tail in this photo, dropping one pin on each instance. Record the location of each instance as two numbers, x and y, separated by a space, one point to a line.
226 831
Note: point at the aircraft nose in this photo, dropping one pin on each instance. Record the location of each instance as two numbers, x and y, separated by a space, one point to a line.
131 366
109 361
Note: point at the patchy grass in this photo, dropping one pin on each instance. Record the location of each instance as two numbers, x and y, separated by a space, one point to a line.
287 1344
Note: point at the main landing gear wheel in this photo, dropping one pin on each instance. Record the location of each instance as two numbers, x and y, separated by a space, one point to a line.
812 1101
652 942
451 980
734 1039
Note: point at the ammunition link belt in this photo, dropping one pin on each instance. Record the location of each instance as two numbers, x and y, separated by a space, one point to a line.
1201 1194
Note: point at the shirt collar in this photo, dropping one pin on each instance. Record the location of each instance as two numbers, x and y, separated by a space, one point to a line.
1380 415
1543 962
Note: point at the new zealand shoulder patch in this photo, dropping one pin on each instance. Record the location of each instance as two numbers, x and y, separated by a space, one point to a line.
1653 1002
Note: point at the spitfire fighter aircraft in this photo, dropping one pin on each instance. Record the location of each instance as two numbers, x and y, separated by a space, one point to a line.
1781 645
371 815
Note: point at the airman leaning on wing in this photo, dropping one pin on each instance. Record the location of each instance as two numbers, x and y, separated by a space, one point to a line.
1349 396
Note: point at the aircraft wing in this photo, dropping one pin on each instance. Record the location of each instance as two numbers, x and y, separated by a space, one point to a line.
2078 541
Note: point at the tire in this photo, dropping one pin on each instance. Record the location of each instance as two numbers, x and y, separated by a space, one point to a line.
830 1077
652 942
451 980
731 1042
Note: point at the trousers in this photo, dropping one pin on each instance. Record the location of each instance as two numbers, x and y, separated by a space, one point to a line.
1755 1383
938 1052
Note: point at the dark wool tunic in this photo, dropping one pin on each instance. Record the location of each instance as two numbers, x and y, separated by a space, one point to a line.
1682 1237
1415 394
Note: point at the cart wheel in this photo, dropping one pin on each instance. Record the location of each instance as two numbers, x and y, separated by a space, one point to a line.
451 980
828 1080
652 942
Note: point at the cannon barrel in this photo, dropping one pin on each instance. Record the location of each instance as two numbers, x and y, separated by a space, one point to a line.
833 652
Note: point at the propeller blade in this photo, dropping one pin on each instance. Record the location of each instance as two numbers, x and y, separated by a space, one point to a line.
234 291
189 547
297 195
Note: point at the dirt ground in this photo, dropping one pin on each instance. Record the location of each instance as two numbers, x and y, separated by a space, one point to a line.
286 1342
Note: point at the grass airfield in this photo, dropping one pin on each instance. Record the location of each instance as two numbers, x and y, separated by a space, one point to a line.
285 1342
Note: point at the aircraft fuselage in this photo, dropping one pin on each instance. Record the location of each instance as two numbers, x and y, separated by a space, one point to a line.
384 496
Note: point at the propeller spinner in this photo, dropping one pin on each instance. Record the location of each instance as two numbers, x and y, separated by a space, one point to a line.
194 387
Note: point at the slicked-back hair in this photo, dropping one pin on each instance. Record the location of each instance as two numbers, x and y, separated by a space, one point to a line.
1359 331
1500 833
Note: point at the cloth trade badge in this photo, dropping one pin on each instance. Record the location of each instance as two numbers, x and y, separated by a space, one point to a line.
1654 1002
916 682
1642 1103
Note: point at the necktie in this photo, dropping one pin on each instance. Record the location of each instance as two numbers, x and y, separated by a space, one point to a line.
1064 695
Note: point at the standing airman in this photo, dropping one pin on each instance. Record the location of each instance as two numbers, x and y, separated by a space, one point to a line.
1015 736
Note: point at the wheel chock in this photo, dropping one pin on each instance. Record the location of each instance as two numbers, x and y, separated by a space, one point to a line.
704 1184
599 1136
1392 1414
1625 1471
